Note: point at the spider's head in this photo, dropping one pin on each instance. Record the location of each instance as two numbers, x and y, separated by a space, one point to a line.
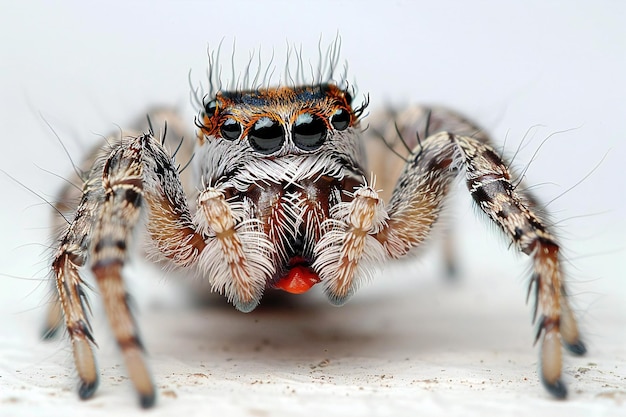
278 121
286 156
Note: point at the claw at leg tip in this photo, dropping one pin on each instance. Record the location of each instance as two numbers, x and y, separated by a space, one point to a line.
451 271
87 389
338 300
246 307
556 389
147 400
577 348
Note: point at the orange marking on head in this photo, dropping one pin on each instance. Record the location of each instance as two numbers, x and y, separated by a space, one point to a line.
247 107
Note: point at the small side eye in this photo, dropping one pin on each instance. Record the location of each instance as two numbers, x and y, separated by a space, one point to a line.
340 119
210 108
348 97
309 132
230 129
266 136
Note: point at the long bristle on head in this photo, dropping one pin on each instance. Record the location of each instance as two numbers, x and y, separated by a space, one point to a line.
259 72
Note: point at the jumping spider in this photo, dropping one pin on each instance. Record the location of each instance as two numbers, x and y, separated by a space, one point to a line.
283 201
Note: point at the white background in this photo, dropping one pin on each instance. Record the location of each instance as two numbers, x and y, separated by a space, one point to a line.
409 342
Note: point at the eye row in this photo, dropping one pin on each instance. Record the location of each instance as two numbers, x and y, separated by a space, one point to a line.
267 135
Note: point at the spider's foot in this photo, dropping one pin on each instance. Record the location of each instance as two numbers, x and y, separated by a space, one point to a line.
451 270
139 374
556 388
86 389
338 299
570 334
246 307
147 400
577 348
551 361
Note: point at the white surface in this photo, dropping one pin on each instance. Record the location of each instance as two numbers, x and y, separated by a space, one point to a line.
407 344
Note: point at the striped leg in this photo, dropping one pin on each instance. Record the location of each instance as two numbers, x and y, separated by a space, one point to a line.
490 185
347 251
400 131
71 255
123 187
136 171
66 205
70 195
222 239
416 205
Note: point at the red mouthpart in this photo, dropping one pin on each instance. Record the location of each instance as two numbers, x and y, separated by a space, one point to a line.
299 279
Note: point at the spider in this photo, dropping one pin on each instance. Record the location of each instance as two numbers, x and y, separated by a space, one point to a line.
281 200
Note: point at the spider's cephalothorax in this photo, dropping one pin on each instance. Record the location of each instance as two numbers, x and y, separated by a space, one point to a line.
283 202
284 159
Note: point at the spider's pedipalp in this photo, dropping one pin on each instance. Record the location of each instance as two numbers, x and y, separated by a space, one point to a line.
237 260
348 252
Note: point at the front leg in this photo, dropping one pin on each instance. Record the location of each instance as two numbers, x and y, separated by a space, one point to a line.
173 137
416 205
400 131
138 175
127 175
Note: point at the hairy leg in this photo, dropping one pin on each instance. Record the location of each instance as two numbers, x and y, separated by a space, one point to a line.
416 205
391 137
137 175
175 138
100 235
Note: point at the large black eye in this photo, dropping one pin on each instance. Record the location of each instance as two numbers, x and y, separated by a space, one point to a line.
309 132
230 129
210 108
341 119
266 136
